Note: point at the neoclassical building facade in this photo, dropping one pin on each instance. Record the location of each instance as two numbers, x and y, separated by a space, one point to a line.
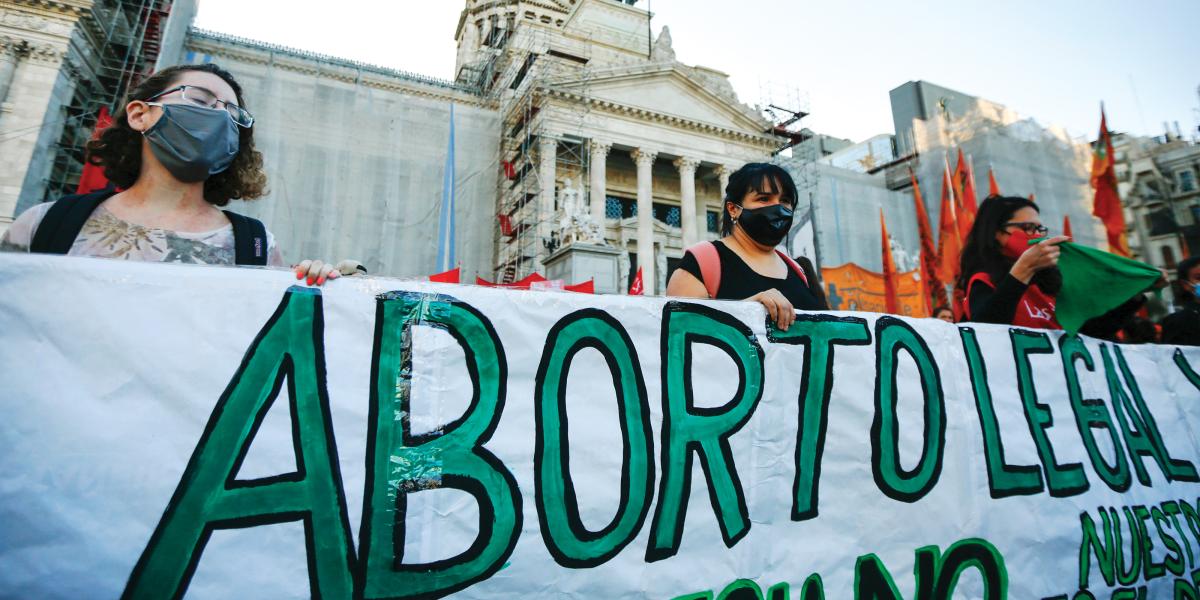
594 109
568 116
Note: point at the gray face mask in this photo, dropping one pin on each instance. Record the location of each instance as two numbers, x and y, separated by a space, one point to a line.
193 142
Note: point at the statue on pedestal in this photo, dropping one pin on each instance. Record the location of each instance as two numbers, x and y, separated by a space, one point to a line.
575 223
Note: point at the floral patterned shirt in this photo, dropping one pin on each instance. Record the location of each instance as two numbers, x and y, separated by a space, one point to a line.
106 236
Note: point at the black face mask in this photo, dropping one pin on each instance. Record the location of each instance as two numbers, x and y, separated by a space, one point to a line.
767 225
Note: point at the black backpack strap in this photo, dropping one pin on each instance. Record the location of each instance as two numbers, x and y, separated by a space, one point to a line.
249 240
64 220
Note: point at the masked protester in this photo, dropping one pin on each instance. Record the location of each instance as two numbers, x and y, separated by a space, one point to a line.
745 264
181 146
1182 327
1009 280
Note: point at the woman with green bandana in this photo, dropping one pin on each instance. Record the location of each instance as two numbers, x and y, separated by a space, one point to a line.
1008 280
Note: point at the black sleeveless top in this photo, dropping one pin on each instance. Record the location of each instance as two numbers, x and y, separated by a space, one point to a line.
739 281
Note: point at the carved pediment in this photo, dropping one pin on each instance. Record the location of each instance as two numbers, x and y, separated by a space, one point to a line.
670 90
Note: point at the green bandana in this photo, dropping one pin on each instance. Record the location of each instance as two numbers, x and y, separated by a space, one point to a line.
1095 282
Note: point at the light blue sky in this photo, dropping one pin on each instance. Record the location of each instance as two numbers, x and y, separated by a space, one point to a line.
1054 60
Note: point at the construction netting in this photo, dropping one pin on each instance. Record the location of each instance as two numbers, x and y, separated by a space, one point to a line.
1025 157
356 154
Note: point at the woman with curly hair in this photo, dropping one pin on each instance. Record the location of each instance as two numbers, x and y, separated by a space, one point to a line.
181 146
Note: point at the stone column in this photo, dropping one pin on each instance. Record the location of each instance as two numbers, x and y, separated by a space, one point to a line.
547 162
597 164
723 172
35 37
11 53
645 217
687 200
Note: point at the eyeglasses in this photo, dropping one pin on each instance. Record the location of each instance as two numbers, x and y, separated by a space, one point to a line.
1029 227
205 98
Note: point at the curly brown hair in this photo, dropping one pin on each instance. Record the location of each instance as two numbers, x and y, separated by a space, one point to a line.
119 148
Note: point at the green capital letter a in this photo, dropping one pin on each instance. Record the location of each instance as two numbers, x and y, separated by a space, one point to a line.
289 347
400 463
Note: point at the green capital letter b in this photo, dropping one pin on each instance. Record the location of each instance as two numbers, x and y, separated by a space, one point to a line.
400 463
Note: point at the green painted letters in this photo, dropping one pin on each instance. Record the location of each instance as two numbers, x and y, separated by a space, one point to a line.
569 542
289 348
704 431
819 334
892 336
400 463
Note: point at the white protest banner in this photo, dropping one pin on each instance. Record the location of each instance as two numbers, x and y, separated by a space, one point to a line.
181 431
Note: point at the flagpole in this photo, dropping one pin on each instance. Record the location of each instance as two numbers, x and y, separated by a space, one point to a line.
446 221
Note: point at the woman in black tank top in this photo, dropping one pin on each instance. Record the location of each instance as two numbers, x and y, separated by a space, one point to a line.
756 217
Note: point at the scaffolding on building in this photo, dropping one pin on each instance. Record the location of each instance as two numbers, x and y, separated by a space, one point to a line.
114 46
520 79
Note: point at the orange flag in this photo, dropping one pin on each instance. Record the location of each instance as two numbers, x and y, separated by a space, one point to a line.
935 291
1067 226
891 284
964 187
949 242
1107 204
993 187
956 197
969 198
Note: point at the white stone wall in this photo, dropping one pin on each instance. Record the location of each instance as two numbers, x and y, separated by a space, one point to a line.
355 160
33 42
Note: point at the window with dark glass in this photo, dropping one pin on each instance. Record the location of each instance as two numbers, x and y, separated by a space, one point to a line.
619 208
1187 181
667 214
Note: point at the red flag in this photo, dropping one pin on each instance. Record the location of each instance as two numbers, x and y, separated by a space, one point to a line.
506 225
1107 205
956 197
587 287
935 291
891 284
509 170
949 243
451 276
93 178
993 187
636 289
1067 226
523 284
